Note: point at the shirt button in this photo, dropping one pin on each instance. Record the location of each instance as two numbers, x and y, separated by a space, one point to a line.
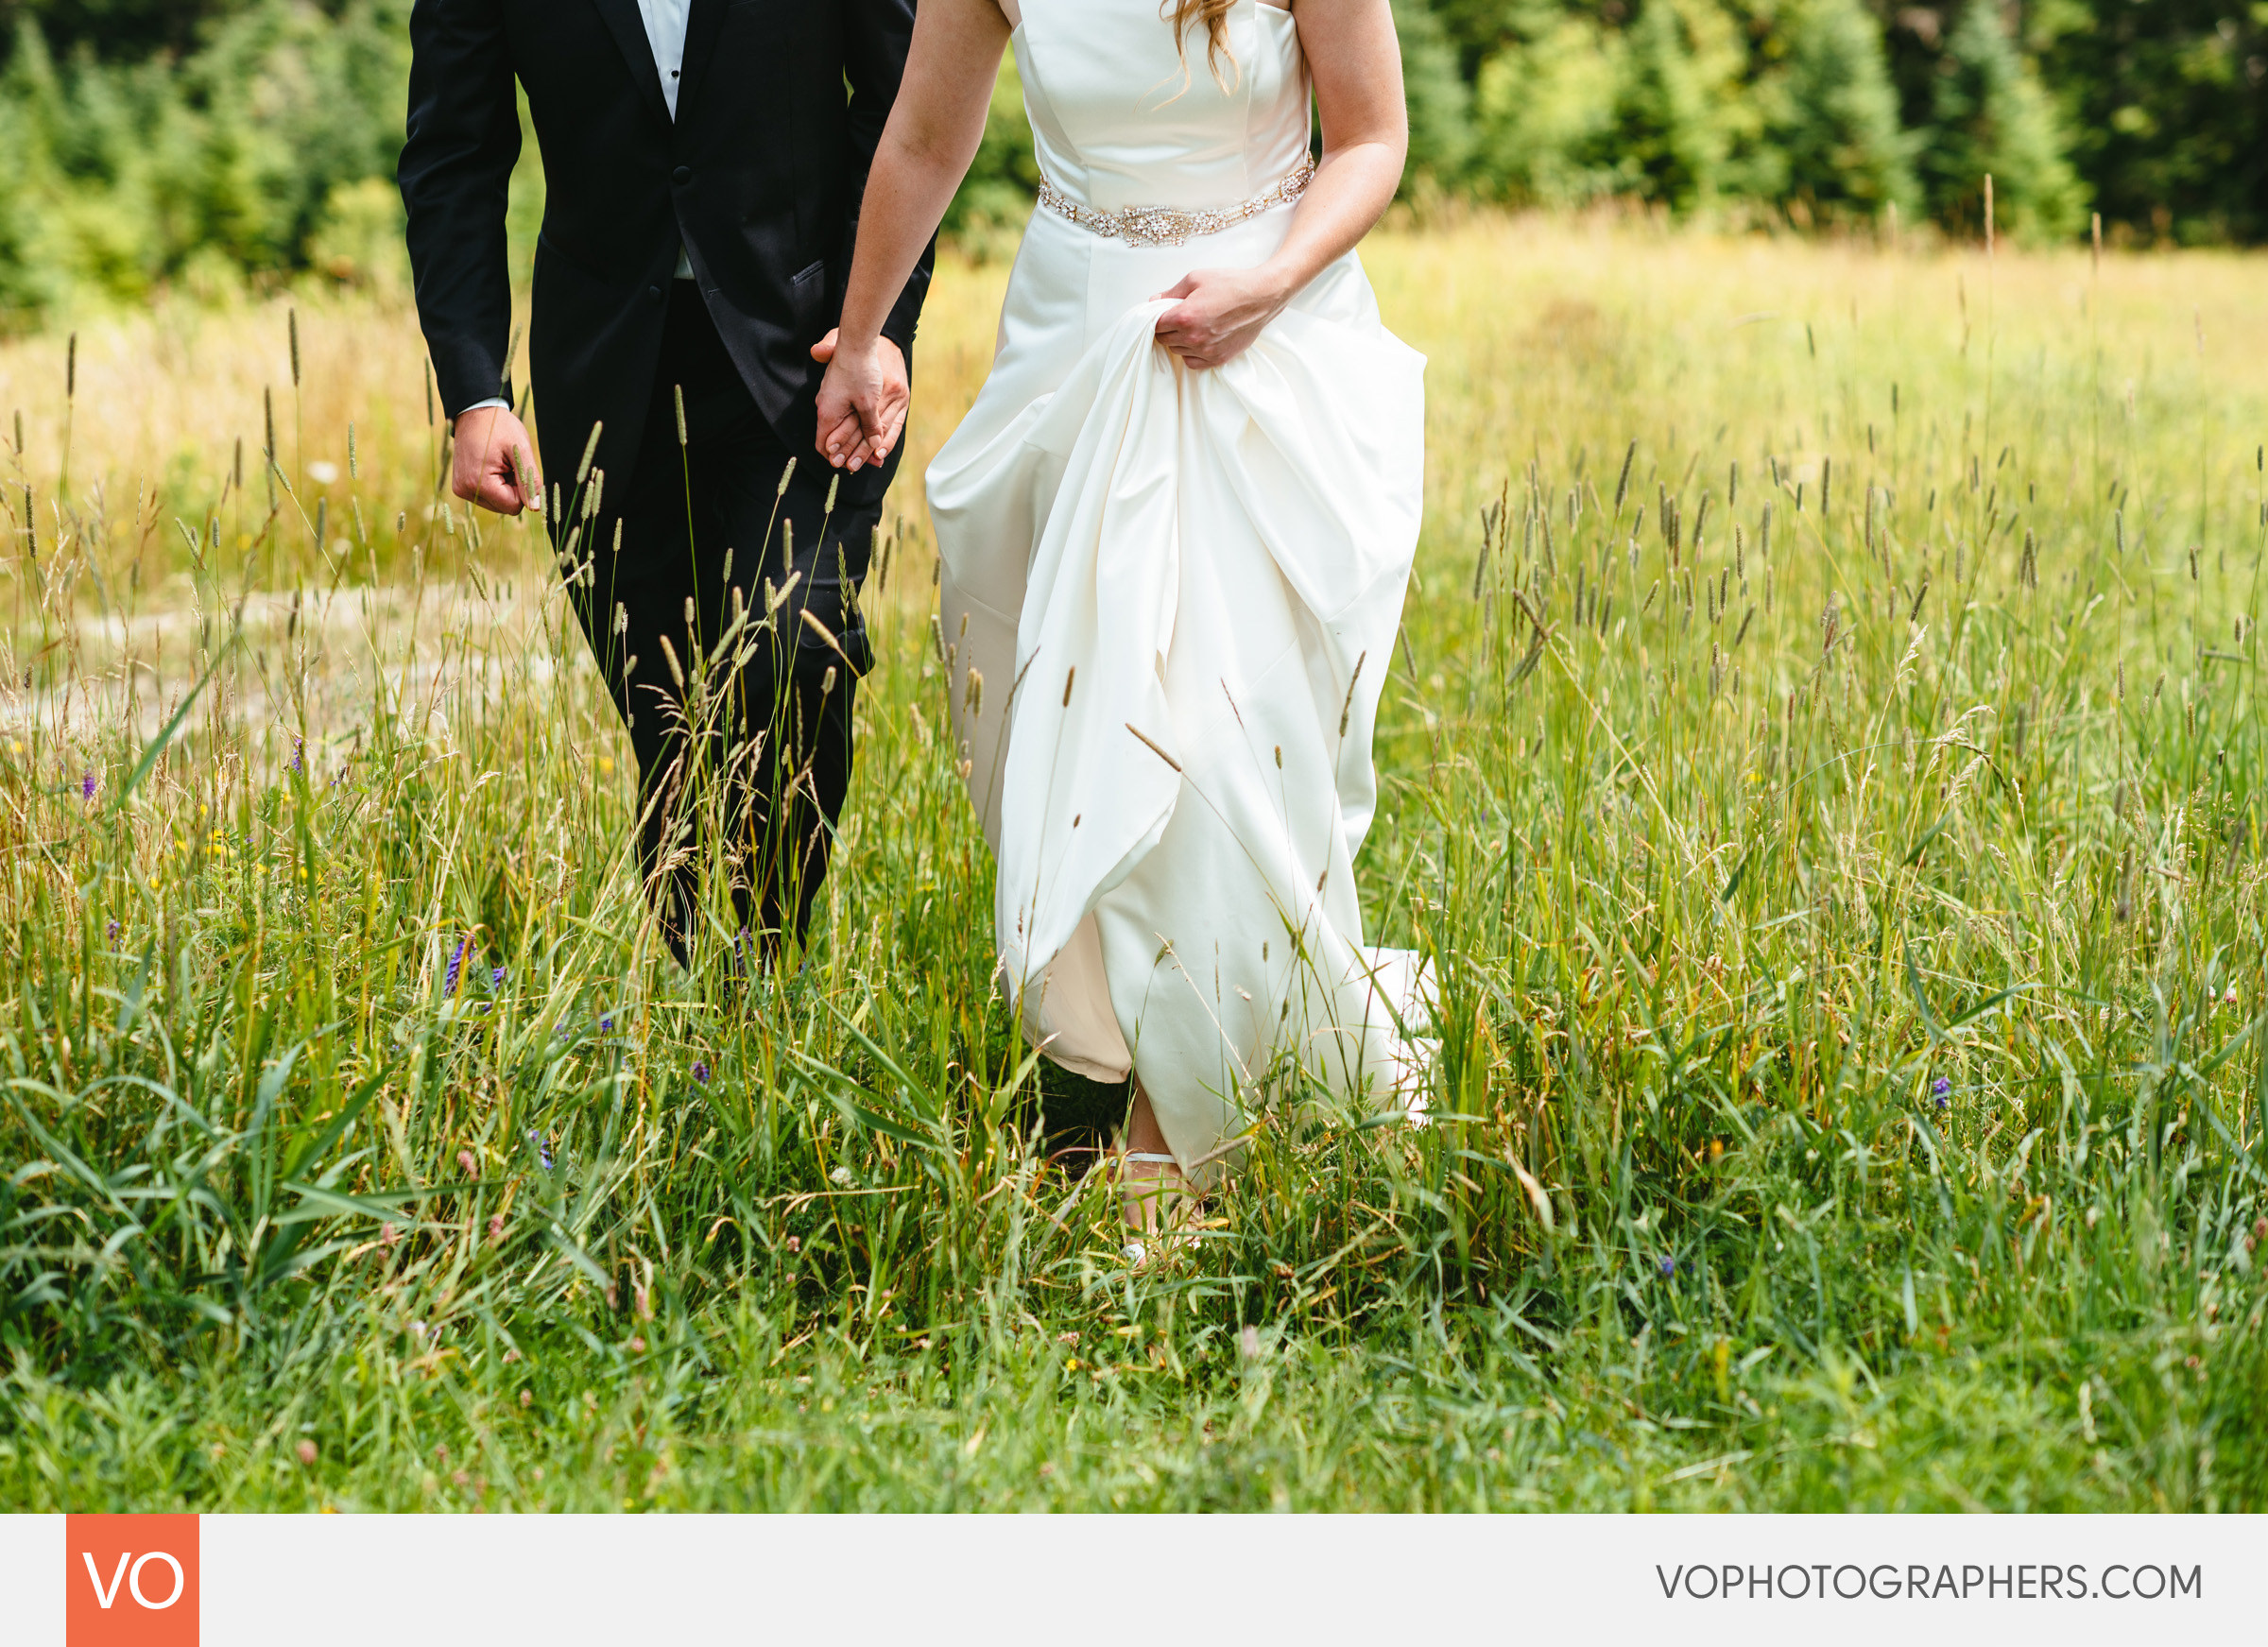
653 294
682 176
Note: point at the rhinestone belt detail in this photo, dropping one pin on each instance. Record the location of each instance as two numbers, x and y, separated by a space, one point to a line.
1171 225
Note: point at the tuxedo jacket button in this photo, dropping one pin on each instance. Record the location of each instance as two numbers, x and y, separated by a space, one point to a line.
653 294
682 176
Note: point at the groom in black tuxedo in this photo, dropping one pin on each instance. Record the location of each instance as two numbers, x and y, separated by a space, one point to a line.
704 162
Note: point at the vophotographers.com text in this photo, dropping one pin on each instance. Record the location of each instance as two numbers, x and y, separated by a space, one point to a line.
1916 1581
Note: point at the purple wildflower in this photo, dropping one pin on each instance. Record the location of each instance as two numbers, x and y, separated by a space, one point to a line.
112 932
701 1071
496 978
543 1151
1941 1090
86 787
297 747
1667 1265
606 1024
456 962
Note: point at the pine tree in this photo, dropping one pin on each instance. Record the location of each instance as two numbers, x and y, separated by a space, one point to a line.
1543 114
1678 114
1836 123
1992 116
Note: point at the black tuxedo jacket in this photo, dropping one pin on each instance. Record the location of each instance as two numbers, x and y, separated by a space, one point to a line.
759 176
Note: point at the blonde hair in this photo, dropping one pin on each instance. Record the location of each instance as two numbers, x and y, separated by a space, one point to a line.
1213 15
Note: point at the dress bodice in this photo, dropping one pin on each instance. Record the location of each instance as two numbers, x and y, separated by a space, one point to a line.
1120 119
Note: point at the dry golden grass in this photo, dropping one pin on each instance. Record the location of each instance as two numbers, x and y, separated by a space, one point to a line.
1544 336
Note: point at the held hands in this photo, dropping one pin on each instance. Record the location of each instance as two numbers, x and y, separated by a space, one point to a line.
863 400
1219 313
495 464
864 397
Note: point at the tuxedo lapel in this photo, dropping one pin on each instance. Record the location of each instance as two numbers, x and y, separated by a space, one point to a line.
702 24
629 29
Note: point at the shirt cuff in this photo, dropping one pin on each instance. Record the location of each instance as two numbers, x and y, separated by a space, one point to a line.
905 313
482 405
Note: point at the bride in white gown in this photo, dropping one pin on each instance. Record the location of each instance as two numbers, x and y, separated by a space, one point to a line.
1175 529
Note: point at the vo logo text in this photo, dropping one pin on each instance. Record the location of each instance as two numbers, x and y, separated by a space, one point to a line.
131 1581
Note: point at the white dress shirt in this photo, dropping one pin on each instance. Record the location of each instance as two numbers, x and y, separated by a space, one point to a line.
665 34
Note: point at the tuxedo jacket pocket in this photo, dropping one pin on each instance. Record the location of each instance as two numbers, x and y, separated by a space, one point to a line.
549 249
808 293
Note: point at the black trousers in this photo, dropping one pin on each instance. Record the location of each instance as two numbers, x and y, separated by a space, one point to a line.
757 733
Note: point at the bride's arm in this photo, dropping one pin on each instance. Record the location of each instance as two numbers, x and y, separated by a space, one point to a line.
934 129
1356 62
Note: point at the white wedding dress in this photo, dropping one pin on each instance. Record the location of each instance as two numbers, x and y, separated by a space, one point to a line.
1170 600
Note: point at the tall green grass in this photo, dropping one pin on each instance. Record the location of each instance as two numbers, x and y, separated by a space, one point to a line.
1821 762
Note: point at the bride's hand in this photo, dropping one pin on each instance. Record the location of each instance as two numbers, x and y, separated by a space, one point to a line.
1219 313
863 401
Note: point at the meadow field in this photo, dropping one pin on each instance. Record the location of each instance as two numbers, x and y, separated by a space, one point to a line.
1822 760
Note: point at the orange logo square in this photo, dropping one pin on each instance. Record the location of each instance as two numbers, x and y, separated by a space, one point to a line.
129 1581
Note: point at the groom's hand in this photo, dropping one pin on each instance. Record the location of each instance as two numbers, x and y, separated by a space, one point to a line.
495 462
863 401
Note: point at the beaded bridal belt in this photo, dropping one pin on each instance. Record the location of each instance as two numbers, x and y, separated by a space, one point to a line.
1169 225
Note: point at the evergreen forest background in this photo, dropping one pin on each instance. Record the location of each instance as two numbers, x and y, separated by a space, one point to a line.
201 144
